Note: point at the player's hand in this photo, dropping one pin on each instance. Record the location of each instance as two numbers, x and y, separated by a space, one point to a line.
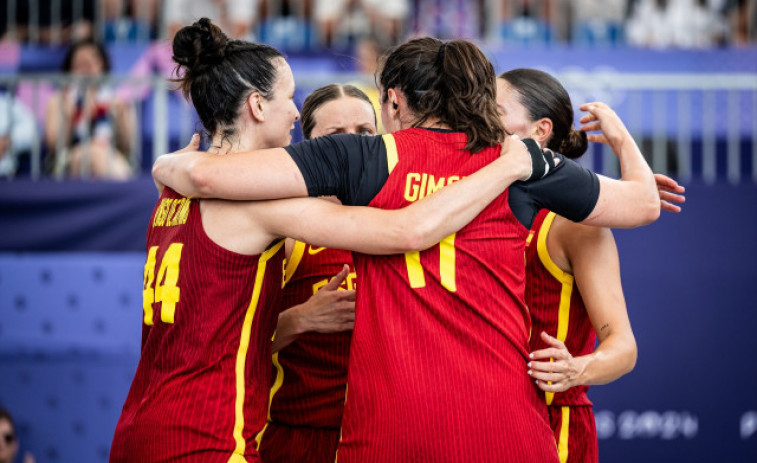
670 192
330 310
554 369
515 154
194 145
602 119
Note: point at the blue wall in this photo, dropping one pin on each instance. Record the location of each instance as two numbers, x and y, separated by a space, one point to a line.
70 332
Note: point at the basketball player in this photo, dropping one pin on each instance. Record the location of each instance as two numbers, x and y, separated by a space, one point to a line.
573 288
214 268
440 337
307 400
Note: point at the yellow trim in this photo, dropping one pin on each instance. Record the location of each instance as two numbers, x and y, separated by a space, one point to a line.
563 315
392 158
244 344
294 260
274 389
447 263
562 444
415 270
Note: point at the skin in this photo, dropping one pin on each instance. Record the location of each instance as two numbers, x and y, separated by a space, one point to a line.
249 228
590 255
104 161
629 202
8 452
330 310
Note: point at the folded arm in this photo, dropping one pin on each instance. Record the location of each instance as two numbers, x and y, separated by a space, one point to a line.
594 260
633 200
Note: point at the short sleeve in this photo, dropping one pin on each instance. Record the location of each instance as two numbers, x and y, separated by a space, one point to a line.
569 190
351 167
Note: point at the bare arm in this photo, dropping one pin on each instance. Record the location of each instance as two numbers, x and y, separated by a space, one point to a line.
633 200
415 227
267 174
593 257
330 310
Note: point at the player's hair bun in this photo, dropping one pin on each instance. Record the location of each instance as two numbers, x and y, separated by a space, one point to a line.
574 144
199 46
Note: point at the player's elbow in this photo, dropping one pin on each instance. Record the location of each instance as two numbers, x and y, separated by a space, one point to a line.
200 178
629 356
413 238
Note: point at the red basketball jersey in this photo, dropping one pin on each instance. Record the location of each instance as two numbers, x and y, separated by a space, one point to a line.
556 306
311 373
200 392
438 360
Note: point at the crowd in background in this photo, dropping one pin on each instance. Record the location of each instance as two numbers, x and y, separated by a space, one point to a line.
317 23
84 126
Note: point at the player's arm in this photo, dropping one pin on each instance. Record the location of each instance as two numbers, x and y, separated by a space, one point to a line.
330 310
633 200
593 256
415 227
261 174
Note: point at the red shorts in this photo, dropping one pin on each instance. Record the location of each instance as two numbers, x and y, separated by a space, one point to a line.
285 444
575 433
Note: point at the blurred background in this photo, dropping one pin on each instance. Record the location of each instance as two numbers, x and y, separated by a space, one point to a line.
85 106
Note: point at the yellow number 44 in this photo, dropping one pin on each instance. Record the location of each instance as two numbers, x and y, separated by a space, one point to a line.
166 292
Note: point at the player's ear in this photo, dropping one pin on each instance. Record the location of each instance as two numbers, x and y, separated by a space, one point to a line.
257 105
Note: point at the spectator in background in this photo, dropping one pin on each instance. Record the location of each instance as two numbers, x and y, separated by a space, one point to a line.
86 128
676 23
343 20
235 16
597 22
9 440
529 21
129 20
742 17
448 19
18 131
44 21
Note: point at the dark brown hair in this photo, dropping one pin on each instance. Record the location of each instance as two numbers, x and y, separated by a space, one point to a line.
99 49
544 96
322 96
218 73
452 81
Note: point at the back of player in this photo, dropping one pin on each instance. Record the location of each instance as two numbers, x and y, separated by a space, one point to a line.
307 400
437 365
208 320
557 308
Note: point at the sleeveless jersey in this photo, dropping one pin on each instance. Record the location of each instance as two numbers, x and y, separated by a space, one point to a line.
200 392
556 307
311 373
438 359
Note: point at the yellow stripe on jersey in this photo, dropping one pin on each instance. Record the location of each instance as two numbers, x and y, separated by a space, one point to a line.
565 278
244 344
294 260
274 389
447 263
562 444
415 270
392 158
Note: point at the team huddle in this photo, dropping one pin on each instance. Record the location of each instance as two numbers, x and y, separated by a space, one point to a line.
265 339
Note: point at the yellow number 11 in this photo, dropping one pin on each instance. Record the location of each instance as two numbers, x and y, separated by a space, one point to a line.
166 292
446 266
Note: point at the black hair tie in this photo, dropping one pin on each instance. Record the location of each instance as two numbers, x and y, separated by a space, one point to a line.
440 54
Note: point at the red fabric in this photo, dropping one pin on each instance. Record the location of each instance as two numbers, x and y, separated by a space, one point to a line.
543 293
314 365
582 433
287 444
436 375
181 405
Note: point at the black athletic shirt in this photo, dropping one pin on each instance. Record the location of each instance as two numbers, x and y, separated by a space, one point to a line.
354 168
